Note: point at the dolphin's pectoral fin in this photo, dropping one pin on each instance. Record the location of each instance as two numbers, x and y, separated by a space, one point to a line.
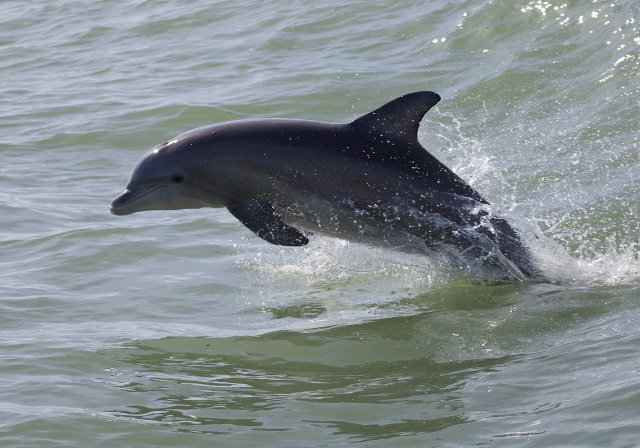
263 220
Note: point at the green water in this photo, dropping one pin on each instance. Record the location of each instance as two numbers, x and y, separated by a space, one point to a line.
183 329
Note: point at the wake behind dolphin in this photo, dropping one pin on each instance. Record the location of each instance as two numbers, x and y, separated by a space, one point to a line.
368 181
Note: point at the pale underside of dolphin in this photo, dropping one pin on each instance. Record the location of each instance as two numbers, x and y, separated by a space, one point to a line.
368 181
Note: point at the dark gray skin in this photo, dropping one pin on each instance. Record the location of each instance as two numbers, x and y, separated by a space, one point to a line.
368 181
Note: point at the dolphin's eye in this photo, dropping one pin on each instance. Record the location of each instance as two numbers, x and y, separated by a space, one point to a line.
177 178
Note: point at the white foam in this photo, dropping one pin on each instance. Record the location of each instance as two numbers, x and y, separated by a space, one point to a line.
619 264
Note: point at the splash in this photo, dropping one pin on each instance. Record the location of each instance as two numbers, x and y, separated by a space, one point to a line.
570 250
331 263
619 264
332 282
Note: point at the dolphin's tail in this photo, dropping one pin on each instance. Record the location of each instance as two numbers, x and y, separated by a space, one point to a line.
512 249
463 227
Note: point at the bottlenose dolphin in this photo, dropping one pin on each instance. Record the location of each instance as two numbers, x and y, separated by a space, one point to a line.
368 181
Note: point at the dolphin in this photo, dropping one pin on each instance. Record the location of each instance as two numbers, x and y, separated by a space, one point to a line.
367 181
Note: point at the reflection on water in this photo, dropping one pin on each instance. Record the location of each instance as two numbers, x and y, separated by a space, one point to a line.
457 360
337 379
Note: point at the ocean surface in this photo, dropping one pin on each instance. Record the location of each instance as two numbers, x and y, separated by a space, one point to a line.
183 329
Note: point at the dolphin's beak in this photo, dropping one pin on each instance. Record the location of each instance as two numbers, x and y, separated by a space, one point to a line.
118 205
124 203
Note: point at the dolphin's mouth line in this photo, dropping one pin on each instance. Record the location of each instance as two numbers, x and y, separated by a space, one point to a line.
137 198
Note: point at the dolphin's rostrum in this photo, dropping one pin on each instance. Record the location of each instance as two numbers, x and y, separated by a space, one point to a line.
368 181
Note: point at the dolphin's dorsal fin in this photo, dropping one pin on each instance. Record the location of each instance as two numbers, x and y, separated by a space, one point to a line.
400 117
